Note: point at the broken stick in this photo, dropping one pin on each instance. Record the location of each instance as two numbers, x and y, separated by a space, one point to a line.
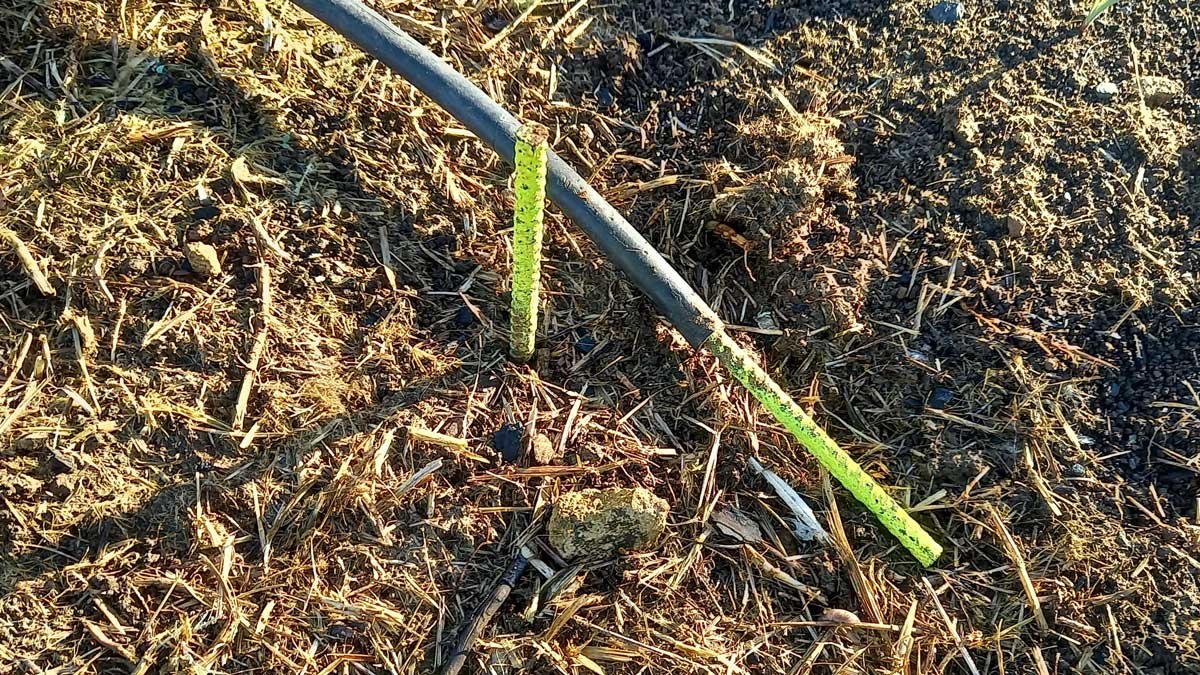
31 267
484 614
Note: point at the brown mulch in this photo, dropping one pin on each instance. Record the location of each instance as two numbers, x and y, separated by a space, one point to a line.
976 270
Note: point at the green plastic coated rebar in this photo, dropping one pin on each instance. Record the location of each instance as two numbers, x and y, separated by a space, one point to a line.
527 238
836 460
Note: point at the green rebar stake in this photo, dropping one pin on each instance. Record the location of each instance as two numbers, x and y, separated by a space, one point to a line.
840 464
527 238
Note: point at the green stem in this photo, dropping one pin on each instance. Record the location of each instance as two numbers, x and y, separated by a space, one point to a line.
527 238
839 463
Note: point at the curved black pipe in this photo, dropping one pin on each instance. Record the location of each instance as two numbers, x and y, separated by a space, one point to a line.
497 128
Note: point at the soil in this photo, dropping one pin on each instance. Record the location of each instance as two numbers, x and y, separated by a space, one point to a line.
975 266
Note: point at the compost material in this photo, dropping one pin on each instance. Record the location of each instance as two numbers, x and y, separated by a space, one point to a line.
975 269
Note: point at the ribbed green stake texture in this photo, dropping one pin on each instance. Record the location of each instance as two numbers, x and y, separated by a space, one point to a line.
527 238
840 464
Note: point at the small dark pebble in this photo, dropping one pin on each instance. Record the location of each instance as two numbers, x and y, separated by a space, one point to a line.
61 463
340 632
772 17
1064 489
947 12
442 242
206 212
488 380
585 344
494 22
508 441
940 398
1078 470
604 97
464 317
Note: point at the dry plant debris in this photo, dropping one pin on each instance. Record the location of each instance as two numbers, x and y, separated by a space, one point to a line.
977 271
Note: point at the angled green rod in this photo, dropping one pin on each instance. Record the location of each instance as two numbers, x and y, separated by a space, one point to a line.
836 460
619 241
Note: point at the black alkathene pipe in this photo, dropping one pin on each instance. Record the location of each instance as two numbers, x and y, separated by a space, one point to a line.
497 128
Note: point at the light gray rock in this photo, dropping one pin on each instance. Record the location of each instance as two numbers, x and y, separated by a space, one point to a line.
601 523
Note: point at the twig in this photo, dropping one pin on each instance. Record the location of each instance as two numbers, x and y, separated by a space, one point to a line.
755 55
1014 554
805 524
563 20
31 390
17 363
483 616
420 433
863 586
31 267
266 240
950 625
425 472
98 269
99 635
507 30
381 453
260 343
26 78
904 643
165 325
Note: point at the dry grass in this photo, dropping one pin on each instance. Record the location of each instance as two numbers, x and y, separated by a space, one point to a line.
287 467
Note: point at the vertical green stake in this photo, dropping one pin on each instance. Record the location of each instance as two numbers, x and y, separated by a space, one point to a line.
527 238
836 460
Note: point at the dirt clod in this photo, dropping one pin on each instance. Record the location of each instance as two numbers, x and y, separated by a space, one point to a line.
203 258
543 451
1159 91
600 523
